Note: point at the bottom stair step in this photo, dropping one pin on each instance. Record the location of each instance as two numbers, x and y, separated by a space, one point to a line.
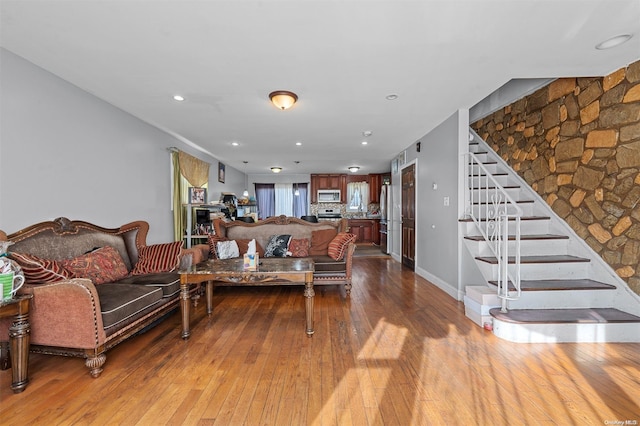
592 315
555 285
591 325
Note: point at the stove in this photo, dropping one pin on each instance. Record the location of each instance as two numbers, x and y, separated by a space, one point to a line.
329 214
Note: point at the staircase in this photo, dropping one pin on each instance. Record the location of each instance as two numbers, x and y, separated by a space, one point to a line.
558 289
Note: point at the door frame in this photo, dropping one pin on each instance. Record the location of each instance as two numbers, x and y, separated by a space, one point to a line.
415 209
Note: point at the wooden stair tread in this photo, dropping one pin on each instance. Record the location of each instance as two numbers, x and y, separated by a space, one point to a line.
468 219
568 316
527 237
555 285
482 203
558 258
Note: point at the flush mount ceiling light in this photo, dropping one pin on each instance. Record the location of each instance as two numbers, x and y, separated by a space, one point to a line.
354 169
276 169
178 98
367 133
283 99
614 41
391 97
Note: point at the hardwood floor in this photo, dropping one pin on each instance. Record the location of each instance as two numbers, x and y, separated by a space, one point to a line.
397 352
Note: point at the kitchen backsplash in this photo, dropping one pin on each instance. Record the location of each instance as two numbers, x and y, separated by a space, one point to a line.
373 209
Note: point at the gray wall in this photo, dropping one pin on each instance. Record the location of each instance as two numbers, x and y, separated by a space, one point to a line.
64 152
438 246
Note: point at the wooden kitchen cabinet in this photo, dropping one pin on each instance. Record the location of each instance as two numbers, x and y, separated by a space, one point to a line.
328 181
375 184
365 230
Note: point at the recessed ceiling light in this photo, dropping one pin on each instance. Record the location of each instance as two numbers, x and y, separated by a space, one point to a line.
614 41
298 143
364 142
235 143
178 98
276 169
392 97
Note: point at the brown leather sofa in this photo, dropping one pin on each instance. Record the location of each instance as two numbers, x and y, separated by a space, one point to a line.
77 317
327 270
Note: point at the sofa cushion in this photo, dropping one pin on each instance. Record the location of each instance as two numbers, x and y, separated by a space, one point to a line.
102 265
40 271
277 246
299 247
213 240
120 302
338 246
243 246
158 258
227 249
320 240
168 282
326 265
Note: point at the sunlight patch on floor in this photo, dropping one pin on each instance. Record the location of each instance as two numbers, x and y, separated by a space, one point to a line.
386 342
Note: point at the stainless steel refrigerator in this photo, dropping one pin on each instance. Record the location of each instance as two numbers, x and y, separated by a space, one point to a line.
385 205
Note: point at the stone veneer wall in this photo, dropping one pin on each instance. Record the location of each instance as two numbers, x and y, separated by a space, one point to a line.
577 143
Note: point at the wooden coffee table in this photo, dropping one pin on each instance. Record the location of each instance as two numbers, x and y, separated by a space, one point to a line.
271 271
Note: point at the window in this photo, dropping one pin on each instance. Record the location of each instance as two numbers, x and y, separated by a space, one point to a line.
357 197
281 199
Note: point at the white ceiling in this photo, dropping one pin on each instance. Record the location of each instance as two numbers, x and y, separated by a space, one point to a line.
341 57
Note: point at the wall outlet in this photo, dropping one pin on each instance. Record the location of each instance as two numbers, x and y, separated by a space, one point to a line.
446 201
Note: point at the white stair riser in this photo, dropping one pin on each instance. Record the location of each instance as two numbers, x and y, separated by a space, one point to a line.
527 247
526 227
564 299
567 333
486 210
491 168
546 271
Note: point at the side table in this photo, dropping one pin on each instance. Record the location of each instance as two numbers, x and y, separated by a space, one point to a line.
19 339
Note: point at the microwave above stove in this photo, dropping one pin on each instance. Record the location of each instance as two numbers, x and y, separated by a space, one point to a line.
328 195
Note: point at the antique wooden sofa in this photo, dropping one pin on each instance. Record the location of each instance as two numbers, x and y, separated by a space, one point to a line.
328 270
93 287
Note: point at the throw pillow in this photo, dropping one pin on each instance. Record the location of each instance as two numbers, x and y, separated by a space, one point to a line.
320 241
158 258
102 265
227 249
299 247
243 246
213 241
40 271
277 246
338 245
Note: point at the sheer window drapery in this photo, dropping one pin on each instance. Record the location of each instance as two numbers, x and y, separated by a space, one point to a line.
284 199
300 201
358 196
265 199
280 199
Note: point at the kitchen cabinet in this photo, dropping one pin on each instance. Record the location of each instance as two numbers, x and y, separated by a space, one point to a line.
375 184
365 230
328 181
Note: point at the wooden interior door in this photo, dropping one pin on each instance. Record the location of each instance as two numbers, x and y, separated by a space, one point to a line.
408 216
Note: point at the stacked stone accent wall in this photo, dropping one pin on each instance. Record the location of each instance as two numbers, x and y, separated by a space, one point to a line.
577 143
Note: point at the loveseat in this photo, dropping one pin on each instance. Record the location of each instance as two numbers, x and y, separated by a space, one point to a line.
93 287
328 243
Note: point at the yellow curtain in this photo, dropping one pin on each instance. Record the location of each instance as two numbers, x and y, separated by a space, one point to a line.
178 211
195 171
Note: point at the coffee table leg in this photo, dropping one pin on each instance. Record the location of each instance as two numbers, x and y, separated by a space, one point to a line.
19 338
184 308
209 296
309 295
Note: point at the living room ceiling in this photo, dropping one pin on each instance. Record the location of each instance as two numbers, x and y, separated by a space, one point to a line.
342 58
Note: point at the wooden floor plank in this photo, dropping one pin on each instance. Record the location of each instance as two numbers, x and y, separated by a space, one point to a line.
397 351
